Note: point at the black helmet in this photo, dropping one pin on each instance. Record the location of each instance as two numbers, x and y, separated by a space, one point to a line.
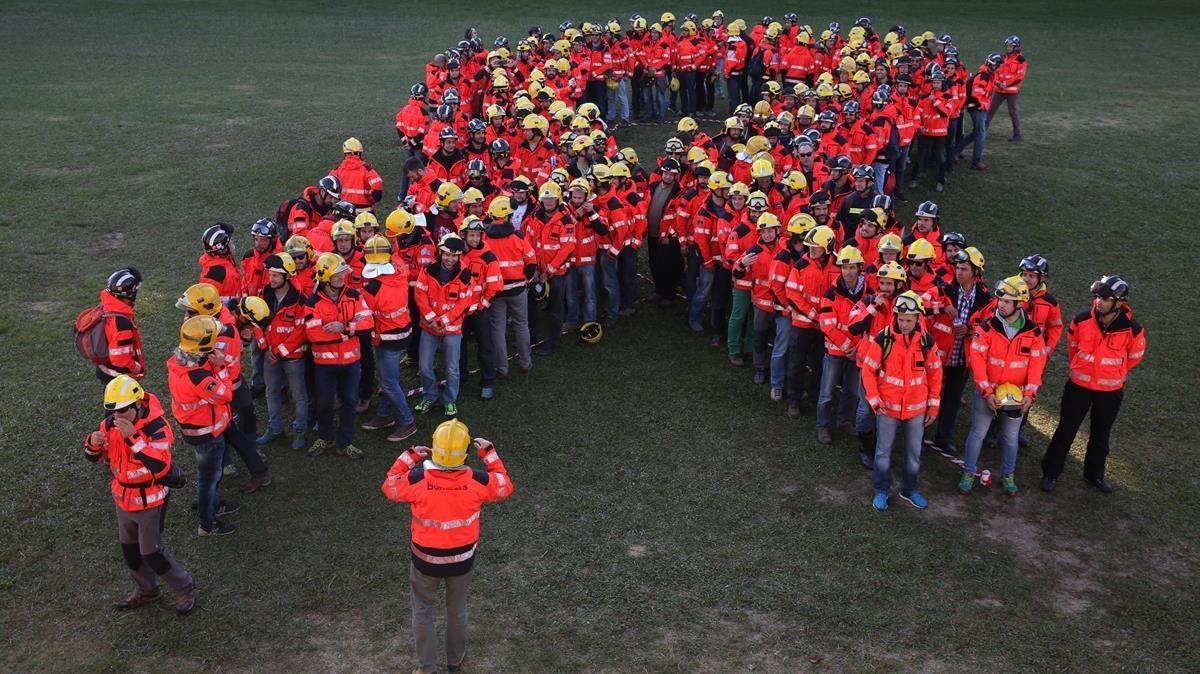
475 168
1012 41
1111 287
448 133
863 171
476 125
1035 263
264 227
451 97
882 201
418 90
840 162
343 210
863 22
443 112
955 238
767 20
501 42
500 146
216 239
927 209
850 108
332 185
994 59
124 283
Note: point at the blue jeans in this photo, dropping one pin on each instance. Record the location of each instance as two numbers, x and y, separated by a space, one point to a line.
287 374
978 136
900 166
581 278
881 171
450 345
611 280
687 92
618 102
887 428
208 477
864 416
660 97
783 337
704 281
393 403
1007 431
342 380
838 369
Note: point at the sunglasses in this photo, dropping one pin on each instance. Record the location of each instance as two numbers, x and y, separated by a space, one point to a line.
806 154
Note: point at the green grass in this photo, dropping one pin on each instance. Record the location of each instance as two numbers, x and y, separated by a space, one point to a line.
668 516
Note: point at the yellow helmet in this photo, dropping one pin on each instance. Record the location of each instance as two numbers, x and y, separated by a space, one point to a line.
297 245
688 28
975 256
580 123
329 265
695 154
824 78
580 184
343 227
767 220
674 84
536 75
352 145
564 65
891 242
201 298
845 91
535 123
400 222
580 143
825 90
591 332
1012 288
494 110
890 38
800 224
448 193
739 189
500 208
861 77
909 302
892 270
1009 398
281 262
590 110
849 255
121 392
807 111
762 109
795 181
499 82
895 51
917 40
472 196
719 180
523 104
762 168
774 88
601 173
734 122
253 309
757 201
366 219
666 17
450 442
687 125
198 334
550 190
820 236
706 164
629 155
377 250
920 250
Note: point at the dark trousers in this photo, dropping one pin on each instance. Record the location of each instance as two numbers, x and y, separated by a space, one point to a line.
627 269
243 407
1076 402
341 380
636 84
477 329
954 380
556 311
931 150
597 92
414 342
666 265
706 92
687 92
805 356
366 378
719 298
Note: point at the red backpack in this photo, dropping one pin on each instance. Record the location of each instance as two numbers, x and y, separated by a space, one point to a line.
88 332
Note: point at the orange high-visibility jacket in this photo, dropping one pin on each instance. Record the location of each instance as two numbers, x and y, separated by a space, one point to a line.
995 359
138 461
386 296
200 399
349 309
1101 358
123 337
902 374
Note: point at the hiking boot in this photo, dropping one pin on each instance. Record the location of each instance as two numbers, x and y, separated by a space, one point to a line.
378 423
776 394
228 508
966 483
824 436
1100 483
736 360
137 600
451 410
487 393
401 433
422 406
363 405
268 437
1047 484
1010 485
880 502
318 448
919 502
217 529
350 452
760 376
456 666
185 601
258 482
793 409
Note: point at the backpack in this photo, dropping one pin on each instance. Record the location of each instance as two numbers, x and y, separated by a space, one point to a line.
88 334
886 339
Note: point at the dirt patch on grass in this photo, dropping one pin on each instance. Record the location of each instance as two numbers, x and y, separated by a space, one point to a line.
112 240
637 551
948 507
829 494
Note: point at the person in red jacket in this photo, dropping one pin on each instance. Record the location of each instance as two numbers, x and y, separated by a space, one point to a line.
902 380
306 211
934 111
1042 308
284 343
412 123
1007 351
808 279
980 87
135 439
485 270
553 231
1104 343
871 314
839 367
385 290
771 319
254 280
445 292
121 332
961 308
334 316
445 497
216 264
518 264
1009 78
361 184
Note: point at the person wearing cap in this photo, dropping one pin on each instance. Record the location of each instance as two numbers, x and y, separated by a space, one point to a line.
284 346
134 440
965 300
980 87
1009 78
445 497
361 183
445 293
1104 343
901 377
1007 357
121 333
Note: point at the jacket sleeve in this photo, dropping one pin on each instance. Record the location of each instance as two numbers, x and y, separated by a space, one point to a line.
295 339
121 336
977 358
152 444
499 486
566 250
1054 328
870 373
396 486
933 369
862 316
777 281
363 318
1137 345
829 322
702 235
1038 356
314 329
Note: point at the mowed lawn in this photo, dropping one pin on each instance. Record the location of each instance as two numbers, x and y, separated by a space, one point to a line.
668 516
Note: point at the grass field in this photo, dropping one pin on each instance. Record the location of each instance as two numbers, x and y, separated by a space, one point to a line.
669 517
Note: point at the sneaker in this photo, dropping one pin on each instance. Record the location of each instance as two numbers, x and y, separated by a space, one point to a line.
966 483
1010 485
919 502
350 452
760 376
422 406
714 341
318 447
1100 483
185 601
1015 139
487 393
298 441
258 482
451 410
228 508
137 600
880 501
981 166
268 437
219 528
736 360
776 394
229 470
402 432
379 423
824 436
1047 484
793 409
362 405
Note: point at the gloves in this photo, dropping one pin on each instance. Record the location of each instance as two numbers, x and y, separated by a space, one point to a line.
483 447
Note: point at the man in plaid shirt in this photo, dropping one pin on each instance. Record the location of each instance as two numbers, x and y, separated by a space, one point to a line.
967 296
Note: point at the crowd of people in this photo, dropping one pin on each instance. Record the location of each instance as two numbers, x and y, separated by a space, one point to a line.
520 218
